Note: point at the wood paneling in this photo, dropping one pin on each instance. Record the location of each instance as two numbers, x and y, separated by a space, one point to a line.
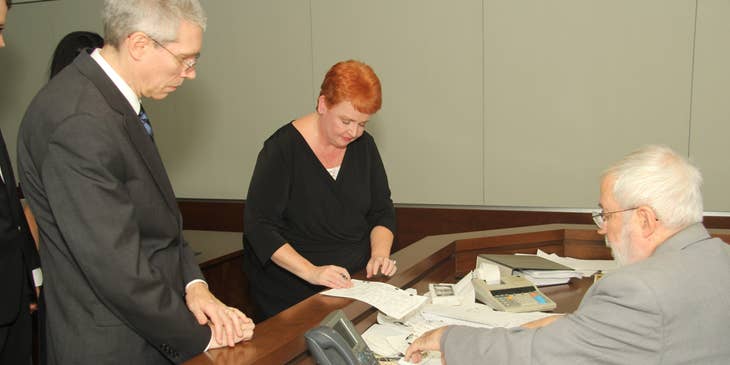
413 223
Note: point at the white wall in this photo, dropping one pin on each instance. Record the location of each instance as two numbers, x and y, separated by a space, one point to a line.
486 102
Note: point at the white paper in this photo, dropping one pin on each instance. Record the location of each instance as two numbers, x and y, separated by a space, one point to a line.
465 289
489 273
393 301
586 267
380 339
479 315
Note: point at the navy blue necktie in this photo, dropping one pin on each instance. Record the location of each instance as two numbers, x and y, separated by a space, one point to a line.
145 121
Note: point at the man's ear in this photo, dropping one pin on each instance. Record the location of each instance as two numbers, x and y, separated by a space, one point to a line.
137 44
647 220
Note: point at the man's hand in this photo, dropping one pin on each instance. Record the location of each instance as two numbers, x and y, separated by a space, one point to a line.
429 341
381 264
34 304
229 325
248 327
330 276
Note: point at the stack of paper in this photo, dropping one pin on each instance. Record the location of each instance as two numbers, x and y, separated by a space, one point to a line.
478 315
585 267
537 269
552 277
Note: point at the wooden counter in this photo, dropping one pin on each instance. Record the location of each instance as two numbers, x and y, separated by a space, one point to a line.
442 258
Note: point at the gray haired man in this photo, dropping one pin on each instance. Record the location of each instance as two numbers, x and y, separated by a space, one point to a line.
667 305
122 285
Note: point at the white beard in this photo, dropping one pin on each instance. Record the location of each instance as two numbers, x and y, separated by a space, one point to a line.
620 250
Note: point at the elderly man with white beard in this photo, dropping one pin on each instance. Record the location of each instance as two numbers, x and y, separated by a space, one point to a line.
668 304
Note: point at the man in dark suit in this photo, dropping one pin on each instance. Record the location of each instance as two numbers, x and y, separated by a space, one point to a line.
19 260
122 285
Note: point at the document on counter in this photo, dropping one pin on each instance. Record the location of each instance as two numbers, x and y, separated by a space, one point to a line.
585 267
478 315
391 300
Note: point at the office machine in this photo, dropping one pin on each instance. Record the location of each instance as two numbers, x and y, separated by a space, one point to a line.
514 294
510 293
336 342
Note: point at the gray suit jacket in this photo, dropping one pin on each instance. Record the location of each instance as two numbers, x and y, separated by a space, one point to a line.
115 260
672 308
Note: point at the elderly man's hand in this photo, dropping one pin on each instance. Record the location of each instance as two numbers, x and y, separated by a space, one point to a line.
429 341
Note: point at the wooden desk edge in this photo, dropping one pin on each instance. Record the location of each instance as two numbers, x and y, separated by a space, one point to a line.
280 338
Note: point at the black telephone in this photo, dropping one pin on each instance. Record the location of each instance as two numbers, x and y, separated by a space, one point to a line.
336 342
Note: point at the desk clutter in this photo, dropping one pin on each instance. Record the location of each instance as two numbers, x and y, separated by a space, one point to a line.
503 283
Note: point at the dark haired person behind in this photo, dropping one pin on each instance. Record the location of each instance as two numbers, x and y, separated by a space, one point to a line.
318 206
71 45
18 259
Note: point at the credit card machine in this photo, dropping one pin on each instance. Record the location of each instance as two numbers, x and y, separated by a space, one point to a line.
336 342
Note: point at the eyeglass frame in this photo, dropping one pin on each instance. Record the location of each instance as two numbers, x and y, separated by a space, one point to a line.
189 64
600 217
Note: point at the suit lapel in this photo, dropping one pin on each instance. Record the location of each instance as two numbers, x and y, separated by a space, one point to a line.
148 151
137 135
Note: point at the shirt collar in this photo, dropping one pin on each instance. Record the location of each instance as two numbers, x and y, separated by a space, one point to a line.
117 80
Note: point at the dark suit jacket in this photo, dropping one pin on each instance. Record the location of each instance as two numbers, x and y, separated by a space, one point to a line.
18 255
115 260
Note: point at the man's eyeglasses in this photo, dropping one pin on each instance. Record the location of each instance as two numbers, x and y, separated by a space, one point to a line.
600 217
189 63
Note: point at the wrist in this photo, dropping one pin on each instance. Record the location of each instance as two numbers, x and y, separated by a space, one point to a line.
375 254
195 286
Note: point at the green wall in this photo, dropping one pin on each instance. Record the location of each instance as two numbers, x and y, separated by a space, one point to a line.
486 102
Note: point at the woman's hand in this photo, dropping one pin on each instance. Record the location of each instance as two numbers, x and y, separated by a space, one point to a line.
331 276
382 264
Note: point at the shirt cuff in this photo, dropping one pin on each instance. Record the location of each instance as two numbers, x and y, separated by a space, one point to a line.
193 282
209 342
37 276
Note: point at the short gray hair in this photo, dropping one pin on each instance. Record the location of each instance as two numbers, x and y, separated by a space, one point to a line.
662 179
159 19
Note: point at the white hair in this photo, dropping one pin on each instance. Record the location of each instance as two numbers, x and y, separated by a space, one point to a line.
660 178
159 19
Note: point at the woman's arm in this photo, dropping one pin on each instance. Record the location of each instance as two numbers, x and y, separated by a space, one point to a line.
328 275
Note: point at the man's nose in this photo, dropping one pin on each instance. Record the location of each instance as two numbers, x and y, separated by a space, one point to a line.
190 73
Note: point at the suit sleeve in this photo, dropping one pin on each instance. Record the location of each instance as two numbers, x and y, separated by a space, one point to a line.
618 323
191 269
266 201
382 212
83 177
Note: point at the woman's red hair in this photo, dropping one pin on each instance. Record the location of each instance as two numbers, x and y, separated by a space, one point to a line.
355 82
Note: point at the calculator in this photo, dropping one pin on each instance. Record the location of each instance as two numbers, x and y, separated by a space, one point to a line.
512 294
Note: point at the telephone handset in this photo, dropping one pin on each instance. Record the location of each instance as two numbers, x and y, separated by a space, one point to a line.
336 342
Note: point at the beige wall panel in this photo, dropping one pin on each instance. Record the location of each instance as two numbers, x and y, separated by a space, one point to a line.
254 76
571 86
429 59
709 144
31 34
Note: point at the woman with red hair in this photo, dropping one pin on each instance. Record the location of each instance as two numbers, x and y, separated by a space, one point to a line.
318 206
